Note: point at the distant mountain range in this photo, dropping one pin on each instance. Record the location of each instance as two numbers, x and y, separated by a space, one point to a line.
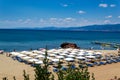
112 27
109 27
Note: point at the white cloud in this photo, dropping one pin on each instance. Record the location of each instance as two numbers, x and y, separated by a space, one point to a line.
103 5
27 21
64 5
81 12
53 19
41 21
68 19
118 16
112 5
110 16
107 21
20 20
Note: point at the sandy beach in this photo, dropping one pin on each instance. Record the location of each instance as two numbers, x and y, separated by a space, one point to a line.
10 68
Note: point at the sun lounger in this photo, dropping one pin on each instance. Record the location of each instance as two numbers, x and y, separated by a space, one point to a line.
113 60
109 61
64 68
90 64
20 60
72 66
102 62
55 70
97 63
82 65
117 59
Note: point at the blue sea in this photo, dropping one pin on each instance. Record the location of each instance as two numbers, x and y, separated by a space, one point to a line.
19 40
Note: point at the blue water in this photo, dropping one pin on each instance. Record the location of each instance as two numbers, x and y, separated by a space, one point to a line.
27 39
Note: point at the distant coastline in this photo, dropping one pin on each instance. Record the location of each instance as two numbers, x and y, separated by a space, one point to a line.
103 28
27 29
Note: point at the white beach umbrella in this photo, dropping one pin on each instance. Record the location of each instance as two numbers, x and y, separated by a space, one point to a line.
50 58
51 50
70 56
69 59
81 50
21 55
90 57
26 58
42 49
68 49
55 60
80 54
73 53
52 55
32 60
98 53
43 53
60 57
39 52
56 52
90 51
40 56
89 54
35 51
28 53
47 57
60 50
33 54
39 62
23 52
63 54
80 57
14 53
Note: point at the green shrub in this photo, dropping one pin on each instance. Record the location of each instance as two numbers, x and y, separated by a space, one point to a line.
74 73
26 76
42 72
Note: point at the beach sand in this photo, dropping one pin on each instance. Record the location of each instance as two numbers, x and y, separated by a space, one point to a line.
10 68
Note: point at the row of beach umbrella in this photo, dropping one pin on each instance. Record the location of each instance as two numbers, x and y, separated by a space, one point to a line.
55 55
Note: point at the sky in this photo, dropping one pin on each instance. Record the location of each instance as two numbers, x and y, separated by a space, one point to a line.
58 13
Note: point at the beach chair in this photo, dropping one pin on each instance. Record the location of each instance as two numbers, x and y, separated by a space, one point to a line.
13 57
34 65
117 59
64 68
55 70
109 61
50 63
102 62
72 66
20 60
113 60
90 64
82 65
97 63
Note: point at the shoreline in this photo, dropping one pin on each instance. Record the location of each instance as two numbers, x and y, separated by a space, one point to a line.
10 67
